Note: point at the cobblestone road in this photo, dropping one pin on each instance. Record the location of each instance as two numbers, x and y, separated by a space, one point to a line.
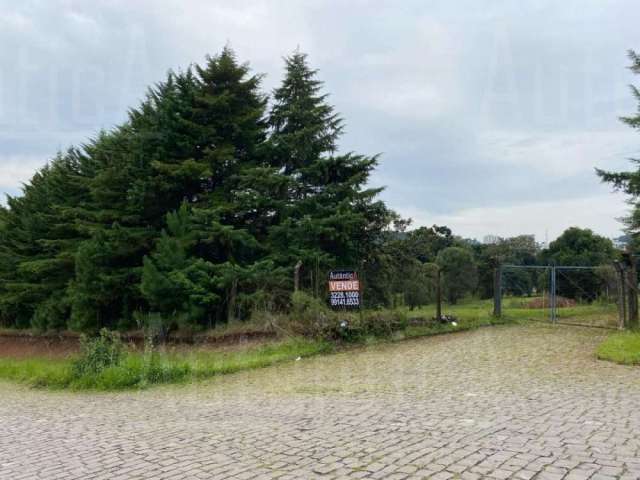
503 402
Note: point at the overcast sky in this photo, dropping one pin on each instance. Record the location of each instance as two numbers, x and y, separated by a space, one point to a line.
490 115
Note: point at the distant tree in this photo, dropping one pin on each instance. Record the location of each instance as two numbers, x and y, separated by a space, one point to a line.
459 272
425 243
518 250
579 247
629 181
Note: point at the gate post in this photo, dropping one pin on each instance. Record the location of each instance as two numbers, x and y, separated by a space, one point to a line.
552 294
497 290
622 298
438 294
632 290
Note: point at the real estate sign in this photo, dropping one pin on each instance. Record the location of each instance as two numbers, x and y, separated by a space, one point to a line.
344 289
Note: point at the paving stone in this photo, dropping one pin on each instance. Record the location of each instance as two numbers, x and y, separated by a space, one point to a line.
522 402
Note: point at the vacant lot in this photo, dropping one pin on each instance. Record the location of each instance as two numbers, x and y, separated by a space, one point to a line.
498 402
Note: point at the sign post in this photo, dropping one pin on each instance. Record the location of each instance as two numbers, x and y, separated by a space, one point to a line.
344 289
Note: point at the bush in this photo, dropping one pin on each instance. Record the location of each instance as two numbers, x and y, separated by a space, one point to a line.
98 353
312 318
355 327
309 315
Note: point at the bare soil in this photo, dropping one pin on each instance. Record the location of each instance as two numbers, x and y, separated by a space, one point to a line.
561 302
23 345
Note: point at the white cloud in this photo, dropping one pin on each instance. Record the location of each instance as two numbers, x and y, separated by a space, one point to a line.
412 81
559 153
17 169
543 219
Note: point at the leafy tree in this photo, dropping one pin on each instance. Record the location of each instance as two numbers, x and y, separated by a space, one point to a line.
459 272
518 250
420 287
579 247
425 243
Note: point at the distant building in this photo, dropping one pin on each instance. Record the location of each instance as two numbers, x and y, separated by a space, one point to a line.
491 239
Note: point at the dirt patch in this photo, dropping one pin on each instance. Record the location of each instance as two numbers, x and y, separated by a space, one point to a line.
22 346
561 302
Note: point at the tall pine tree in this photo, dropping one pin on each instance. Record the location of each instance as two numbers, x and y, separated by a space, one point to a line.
629 182
38 240
230 213
330 218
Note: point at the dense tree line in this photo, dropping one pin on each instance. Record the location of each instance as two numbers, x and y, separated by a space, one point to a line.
408 262
194 210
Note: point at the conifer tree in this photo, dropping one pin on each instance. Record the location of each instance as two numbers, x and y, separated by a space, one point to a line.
330 217
38 239
629 181
232 209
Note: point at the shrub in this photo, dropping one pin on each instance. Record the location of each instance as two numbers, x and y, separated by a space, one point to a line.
98 353
309 315
354 327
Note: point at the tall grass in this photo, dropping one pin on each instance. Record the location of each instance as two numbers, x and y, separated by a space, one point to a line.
139 370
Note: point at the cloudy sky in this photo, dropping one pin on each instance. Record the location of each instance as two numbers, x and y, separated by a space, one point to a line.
490 115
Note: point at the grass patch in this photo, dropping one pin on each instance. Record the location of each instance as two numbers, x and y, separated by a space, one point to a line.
621 347
462 325
140 370
514 309
137 370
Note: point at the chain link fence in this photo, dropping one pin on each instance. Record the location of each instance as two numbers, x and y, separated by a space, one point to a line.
576 295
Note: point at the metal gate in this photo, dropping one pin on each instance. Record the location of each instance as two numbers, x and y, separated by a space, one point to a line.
574 295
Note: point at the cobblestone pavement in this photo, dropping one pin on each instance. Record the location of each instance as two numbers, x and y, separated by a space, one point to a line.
502 402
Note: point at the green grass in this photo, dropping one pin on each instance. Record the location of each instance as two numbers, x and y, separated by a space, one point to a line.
514 309
621 347
138 370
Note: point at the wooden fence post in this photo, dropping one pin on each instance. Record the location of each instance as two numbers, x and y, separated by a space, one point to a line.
622 298
296 276
632 289
497 290
438 295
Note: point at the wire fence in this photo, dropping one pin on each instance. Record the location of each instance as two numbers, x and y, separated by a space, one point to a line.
576 295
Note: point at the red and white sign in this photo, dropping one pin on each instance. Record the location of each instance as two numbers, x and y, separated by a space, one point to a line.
344 289
344 286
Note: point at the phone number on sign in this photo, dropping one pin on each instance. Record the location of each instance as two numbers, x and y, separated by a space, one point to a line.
347 299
